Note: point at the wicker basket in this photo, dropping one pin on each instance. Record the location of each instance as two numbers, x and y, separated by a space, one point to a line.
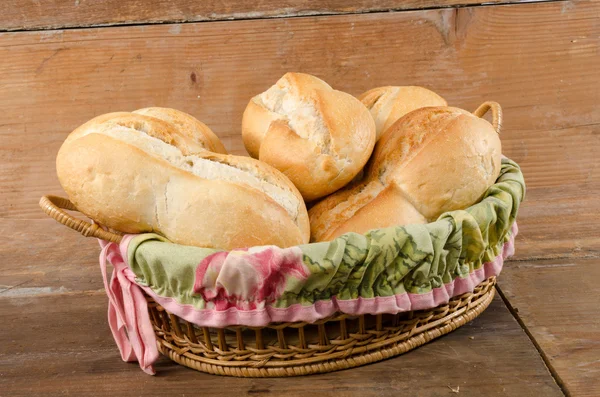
287 349
334 343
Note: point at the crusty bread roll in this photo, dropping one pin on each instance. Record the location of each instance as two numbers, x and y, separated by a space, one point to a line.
318 137
136 173
432 160
388 104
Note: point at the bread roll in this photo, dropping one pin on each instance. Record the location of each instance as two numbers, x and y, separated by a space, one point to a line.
318 137
432 160
388 104
135 173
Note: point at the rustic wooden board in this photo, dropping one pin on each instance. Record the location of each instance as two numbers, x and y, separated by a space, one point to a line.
538 60
559 222
42 256
558 300
49 14
60 344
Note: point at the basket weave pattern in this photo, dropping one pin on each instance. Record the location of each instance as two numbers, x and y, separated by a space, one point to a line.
334 343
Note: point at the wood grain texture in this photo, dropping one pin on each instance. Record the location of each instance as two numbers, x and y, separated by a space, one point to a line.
53 14
538 60
558 302
69 350
559 222
44 257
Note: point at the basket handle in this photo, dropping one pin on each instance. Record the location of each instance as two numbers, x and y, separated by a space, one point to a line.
496 113
53 206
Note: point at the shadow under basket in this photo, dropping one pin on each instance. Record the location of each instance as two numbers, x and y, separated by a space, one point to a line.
291 349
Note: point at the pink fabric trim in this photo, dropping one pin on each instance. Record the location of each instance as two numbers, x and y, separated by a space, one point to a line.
128 316
321 309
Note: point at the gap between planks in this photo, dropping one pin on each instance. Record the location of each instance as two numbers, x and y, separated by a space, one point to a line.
568 255
37 292
537 346
300 14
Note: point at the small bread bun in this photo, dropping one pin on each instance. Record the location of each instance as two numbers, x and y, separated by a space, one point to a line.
388 104
318 137
432 160
136 173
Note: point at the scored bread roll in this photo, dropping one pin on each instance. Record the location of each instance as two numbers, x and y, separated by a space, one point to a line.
318 137
187 124
388 104
432 160
189 132
136 173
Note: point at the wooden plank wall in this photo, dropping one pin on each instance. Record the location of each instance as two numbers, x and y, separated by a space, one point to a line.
540 61
55 14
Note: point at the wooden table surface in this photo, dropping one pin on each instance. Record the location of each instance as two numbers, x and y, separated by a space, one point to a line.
63 62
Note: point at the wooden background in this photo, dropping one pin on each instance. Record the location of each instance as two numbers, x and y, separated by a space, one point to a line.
540 60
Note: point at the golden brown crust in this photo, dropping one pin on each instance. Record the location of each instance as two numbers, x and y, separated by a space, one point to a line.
318 137
430 161
169 125
329 214
255 123
303 83
388 208
134 173
98 120
388 104
403 140
188 126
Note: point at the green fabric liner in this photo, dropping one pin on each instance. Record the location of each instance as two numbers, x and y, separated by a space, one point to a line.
383 262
